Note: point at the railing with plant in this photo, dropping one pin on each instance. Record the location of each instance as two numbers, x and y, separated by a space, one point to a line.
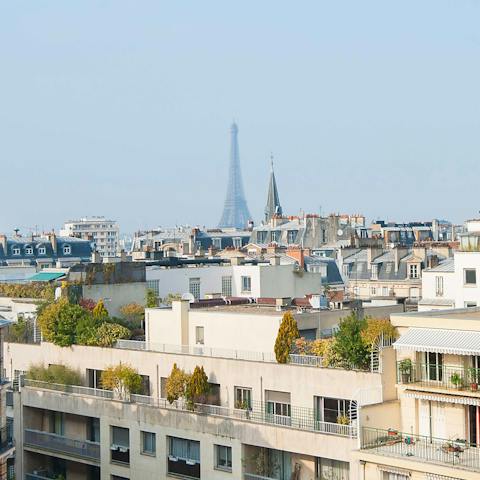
446 376
302 418
422 448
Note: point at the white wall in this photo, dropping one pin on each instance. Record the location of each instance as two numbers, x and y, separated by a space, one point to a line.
466 293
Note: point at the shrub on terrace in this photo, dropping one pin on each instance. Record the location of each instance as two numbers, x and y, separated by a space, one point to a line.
54 374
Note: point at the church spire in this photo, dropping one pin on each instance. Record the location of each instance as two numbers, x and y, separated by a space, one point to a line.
273 206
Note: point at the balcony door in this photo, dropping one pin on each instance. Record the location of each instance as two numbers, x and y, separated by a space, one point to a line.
433 366
431 419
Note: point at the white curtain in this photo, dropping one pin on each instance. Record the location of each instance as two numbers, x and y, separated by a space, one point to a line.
185 449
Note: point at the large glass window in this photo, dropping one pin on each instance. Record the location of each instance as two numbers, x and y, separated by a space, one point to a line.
184 457
328 469
331 410
194 287
434 366
246 284
148 443
227 286
223 457
120 445
243 398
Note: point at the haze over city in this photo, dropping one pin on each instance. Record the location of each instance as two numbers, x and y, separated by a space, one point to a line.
123 109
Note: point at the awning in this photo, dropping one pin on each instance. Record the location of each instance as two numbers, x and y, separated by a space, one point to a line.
456 342
46 276
458 399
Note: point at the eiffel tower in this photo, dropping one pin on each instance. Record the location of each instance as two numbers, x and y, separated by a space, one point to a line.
235 211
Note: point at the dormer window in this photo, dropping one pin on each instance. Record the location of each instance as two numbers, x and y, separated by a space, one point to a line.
413 270
67 249
42 251
16 250
28 250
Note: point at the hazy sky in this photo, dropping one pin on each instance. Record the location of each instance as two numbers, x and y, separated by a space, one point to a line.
123 108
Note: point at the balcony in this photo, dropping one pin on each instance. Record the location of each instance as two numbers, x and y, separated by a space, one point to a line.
51 442
458 453
301 418
448 377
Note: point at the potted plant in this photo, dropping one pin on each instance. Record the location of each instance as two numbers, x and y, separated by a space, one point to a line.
456 380
343 420
405 368
473 374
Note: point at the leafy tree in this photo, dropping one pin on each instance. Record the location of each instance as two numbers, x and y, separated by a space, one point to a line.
325 348
287 333
20 331
107 334
176 384
171 297
58 322
151 300
375 328
100 310
54 374
40 290
133 313
87 304
197 387
349 345
122 379
86 330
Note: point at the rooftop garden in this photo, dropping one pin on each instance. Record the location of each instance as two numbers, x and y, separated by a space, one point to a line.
37 290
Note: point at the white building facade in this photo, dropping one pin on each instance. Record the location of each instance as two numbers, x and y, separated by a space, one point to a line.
103 232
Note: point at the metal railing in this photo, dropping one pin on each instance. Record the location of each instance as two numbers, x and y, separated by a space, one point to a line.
199 350
421 448
252 476
302 418
443 376
60 444
35 476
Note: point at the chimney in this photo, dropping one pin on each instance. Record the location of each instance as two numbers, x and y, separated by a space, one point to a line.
372 254
432 261
3 242
420 252
298 254
275 260
398 253
96 257
53 241
123 256
236 261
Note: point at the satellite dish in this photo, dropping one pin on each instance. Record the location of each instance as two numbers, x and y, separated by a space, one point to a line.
188 296
339 232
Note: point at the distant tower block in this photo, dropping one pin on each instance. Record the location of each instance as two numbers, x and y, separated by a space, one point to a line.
235 212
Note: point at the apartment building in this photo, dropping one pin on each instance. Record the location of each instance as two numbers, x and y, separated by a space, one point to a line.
263 420
102 232
433 431
455 283
237 277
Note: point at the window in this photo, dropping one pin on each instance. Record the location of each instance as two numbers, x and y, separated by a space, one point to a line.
346 270
246 284
331 409
227 286
327 469
148 443
42 250
275 236
395 476
385 291
237 242
93 432
262 237
120 445
194 287
217 243
413 270
373 290
67 250
57 423
434 366
154 285
199 335
243 398
94 378
470 276
28 250
16 251
223 457
374 271
291 236
439 286
184 457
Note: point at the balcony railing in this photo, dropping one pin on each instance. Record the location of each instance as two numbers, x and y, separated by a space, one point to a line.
301 418
60 444
199 350
458 453
252 476
441 376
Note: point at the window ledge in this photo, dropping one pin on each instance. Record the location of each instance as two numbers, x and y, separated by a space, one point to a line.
148 454
223 469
